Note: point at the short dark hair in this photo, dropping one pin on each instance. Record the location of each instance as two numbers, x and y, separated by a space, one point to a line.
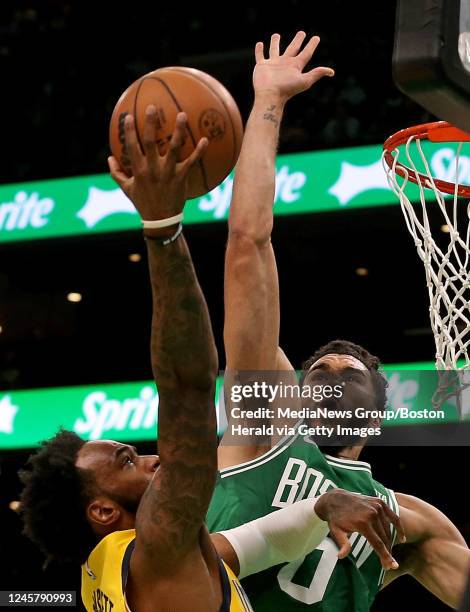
372 363
54 499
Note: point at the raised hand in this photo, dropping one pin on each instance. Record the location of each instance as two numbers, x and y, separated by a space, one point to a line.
283 75
158 183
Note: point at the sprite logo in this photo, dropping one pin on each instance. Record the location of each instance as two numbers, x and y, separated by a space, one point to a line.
103 203
355 180
288 186
102 414
26 211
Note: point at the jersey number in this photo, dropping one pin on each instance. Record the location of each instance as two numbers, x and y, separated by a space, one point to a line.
315 592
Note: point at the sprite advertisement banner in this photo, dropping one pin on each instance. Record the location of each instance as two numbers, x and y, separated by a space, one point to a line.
305 183
128 411
122 411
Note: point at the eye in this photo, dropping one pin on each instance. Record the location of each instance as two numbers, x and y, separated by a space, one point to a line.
128 460
353 377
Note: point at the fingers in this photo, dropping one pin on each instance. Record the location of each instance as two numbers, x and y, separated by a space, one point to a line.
386 559
314 75
306 54
395 520
295 45
132 144
177 141
342 541
116 172
274 46
382 528
177 138
149 137
259 52
385 522
197 154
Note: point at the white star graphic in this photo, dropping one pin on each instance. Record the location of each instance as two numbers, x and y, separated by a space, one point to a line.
103 203
7 414
354 180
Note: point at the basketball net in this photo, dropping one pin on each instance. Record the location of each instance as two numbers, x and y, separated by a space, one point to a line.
447 266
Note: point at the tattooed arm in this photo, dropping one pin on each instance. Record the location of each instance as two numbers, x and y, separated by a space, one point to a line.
171 513
173 508
251 287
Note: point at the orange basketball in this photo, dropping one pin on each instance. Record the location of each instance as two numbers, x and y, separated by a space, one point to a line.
211 112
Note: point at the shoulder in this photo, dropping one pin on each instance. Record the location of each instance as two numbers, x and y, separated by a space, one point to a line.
104 573
260 457
422 520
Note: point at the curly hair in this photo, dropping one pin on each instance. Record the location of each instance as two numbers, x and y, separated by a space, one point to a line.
54 499
372 363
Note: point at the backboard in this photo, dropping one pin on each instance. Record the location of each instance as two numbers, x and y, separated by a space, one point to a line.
431 58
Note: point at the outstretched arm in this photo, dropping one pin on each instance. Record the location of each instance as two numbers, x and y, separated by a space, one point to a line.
251 330
251 288
184 361
294 531
435 553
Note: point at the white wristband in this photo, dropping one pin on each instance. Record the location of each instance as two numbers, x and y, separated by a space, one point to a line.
285 535
163 222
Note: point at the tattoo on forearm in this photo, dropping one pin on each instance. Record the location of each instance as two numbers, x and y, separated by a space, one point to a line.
184 362
182 341
269 115
177 501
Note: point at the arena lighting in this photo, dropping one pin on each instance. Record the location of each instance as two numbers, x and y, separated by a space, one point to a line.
445 228
14 505
74 297
362 271
135 257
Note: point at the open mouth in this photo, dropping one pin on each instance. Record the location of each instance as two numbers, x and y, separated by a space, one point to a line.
329 403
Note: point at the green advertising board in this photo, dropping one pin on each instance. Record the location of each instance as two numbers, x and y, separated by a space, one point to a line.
122 411
128 411
306 183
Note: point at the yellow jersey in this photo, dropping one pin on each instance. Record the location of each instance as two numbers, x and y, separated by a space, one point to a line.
104 577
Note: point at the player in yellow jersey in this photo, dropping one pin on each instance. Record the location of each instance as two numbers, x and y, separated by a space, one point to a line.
277 538
136 523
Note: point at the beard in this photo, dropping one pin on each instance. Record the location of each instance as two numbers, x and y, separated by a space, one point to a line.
130 503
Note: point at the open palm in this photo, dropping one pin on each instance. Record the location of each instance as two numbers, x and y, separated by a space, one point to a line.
283 74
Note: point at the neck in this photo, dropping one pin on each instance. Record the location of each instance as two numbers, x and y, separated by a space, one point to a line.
350 452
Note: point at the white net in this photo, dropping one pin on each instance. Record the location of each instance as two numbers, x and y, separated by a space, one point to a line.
446 258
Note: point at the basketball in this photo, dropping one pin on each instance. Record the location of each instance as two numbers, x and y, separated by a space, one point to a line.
211 112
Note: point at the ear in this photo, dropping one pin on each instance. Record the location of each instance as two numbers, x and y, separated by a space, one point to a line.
376 422
102 511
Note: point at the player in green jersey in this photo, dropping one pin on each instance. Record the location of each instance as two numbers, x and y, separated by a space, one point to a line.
289 471
257 479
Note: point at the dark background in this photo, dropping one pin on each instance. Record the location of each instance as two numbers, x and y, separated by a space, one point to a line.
63 65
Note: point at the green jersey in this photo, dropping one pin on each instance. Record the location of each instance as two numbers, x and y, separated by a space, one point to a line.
293 470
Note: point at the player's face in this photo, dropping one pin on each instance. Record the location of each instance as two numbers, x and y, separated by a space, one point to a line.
350 378
119 471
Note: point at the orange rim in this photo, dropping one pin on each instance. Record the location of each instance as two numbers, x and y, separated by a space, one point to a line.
439 131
